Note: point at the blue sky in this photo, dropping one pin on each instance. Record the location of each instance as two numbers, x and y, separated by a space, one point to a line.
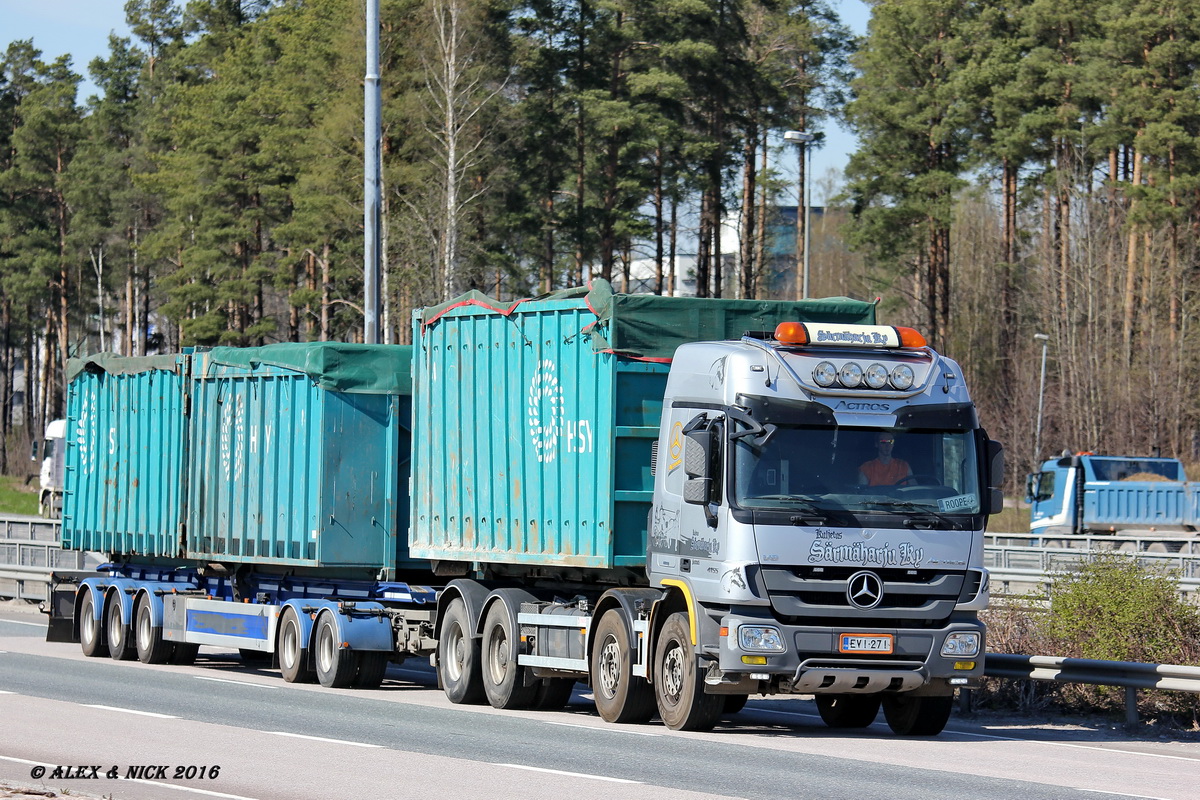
82 27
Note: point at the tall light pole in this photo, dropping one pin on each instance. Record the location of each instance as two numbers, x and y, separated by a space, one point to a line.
802 139
372 173
1037 436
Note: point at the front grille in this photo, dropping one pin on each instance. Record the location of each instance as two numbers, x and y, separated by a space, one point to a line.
911 598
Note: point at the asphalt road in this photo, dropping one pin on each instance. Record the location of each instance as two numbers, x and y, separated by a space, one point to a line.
271 740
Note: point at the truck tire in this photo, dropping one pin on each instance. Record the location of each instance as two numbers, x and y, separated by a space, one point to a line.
503 677
733 704
678 687
119 646
553 693
185 654
917 716
90 638
458 656
620 697
293 655
372 665
148 638
336 665
848 710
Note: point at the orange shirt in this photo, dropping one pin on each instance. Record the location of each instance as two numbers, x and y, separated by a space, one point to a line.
880 474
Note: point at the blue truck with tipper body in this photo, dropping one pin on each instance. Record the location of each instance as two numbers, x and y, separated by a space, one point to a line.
681 502
1089 493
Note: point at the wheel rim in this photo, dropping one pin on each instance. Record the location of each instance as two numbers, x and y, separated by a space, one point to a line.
114 624
143 630
497 654
325 650
672 674
456 651
287 654
610 667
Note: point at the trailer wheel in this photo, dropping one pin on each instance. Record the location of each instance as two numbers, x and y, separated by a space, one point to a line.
503 677
292 651
371 668
678 688
185 654
620 697
917 716
119 646
151 649
458 656
848 710
335 664
89 627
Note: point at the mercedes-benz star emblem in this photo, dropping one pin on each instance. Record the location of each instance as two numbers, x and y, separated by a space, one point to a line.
864 590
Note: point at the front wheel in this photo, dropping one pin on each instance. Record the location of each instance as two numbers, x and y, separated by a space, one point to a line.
620 697
458 656
848 710
678 687
917 716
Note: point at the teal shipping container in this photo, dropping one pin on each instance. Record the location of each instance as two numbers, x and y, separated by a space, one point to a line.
292 455
125 446
533 421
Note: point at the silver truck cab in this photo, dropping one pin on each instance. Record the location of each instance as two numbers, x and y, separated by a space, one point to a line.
821 563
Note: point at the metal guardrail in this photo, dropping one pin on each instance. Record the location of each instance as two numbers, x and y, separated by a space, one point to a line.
1128 674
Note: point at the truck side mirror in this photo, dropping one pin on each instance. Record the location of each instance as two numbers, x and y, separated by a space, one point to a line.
33 451
697 458
995 452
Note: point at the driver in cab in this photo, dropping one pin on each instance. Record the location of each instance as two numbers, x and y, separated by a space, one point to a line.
883 470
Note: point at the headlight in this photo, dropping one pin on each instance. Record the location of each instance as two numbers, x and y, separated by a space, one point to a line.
964 643
760 637
903 377
851 375
877 376
825 374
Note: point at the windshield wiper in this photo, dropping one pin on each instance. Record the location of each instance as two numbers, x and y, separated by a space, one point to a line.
916 510
813 514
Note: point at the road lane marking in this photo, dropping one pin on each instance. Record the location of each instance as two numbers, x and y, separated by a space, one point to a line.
568 774
239 683
601 730
131 780
129 711
19 622
323 739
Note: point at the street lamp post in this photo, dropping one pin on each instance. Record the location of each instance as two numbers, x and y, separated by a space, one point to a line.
1037 436
802 139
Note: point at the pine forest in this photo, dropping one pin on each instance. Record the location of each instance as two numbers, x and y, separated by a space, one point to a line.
1025 187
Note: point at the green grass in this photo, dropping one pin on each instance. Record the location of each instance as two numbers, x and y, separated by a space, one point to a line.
16 497
1010 520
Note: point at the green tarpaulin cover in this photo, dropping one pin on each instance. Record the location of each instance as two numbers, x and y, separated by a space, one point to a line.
336 366
650 327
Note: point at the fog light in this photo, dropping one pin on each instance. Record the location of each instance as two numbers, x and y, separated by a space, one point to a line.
964 665
757 661
961 643
760 637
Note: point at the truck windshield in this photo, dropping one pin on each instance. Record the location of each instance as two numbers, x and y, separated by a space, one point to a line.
858 470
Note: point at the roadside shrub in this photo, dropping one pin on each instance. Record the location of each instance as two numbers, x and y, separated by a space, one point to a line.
1114 608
